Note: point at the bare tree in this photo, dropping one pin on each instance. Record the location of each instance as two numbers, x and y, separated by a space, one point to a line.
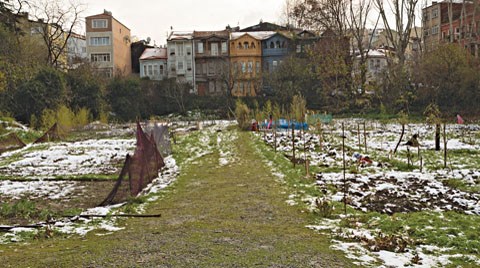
357 23
404 18
319 15
58 22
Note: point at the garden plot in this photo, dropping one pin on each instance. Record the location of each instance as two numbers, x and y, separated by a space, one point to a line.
89 157
399 214
393 192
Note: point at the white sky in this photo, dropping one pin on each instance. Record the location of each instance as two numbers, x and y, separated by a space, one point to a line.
153 18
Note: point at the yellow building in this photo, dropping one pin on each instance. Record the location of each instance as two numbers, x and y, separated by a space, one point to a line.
246 62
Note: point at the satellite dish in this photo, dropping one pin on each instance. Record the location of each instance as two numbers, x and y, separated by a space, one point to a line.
148 40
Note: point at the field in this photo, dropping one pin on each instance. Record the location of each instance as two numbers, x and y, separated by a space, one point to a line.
401 209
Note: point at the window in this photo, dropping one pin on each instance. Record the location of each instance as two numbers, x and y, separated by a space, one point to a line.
211 68
172 50
204 68
434 13
189 65
239 45
180 50
277 44
99 23
211 86
244 67
274 65
150 70
257 67
161 69
100 41
36 30
214 49
100 57
224 47
435 29
250 66
155 70
272 45
299 48
180 65
252 45
200 47
144 70
189 50
245 45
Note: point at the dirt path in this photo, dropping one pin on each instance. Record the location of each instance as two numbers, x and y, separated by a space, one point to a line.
213 216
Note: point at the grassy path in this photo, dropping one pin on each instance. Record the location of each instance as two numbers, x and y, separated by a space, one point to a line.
233 215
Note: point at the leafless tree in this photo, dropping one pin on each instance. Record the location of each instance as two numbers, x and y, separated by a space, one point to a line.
398 35
318 15
58 20
357 23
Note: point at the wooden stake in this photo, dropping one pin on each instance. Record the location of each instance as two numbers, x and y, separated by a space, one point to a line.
365 137
344 167
293 144
445 145
358 135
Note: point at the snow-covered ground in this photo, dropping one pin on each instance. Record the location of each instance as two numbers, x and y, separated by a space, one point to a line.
379 187
45 161
37 164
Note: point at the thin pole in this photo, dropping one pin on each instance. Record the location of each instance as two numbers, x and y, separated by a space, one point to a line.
344 177
365 136
444 145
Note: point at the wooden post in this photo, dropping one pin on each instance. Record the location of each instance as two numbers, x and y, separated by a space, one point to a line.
344 167
275 136
293 144
305 149
365 137
445 145
358 135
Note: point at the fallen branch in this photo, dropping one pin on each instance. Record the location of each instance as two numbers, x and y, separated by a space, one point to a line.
6 228
116 215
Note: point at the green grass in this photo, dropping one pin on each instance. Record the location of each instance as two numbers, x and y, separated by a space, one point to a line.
212 216
23 209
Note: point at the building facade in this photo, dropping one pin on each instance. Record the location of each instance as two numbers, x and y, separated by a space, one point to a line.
153 63
181 58
211 62
108 44
76 50
246 62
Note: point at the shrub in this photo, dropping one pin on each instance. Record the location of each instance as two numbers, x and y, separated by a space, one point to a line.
82 117
242 114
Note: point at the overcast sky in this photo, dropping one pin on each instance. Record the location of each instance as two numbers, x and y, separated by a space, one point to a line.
153 18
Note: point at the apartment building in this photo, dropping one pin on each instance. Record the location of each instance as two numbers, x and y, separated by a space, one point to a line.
108 44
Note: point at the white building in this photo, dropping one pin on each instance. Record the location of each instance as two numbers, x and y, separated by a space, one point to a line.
153 63
181 58
76 50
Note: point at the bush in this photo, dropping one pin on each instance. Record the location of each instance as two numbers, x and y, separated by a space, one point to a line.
242 114
82 117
